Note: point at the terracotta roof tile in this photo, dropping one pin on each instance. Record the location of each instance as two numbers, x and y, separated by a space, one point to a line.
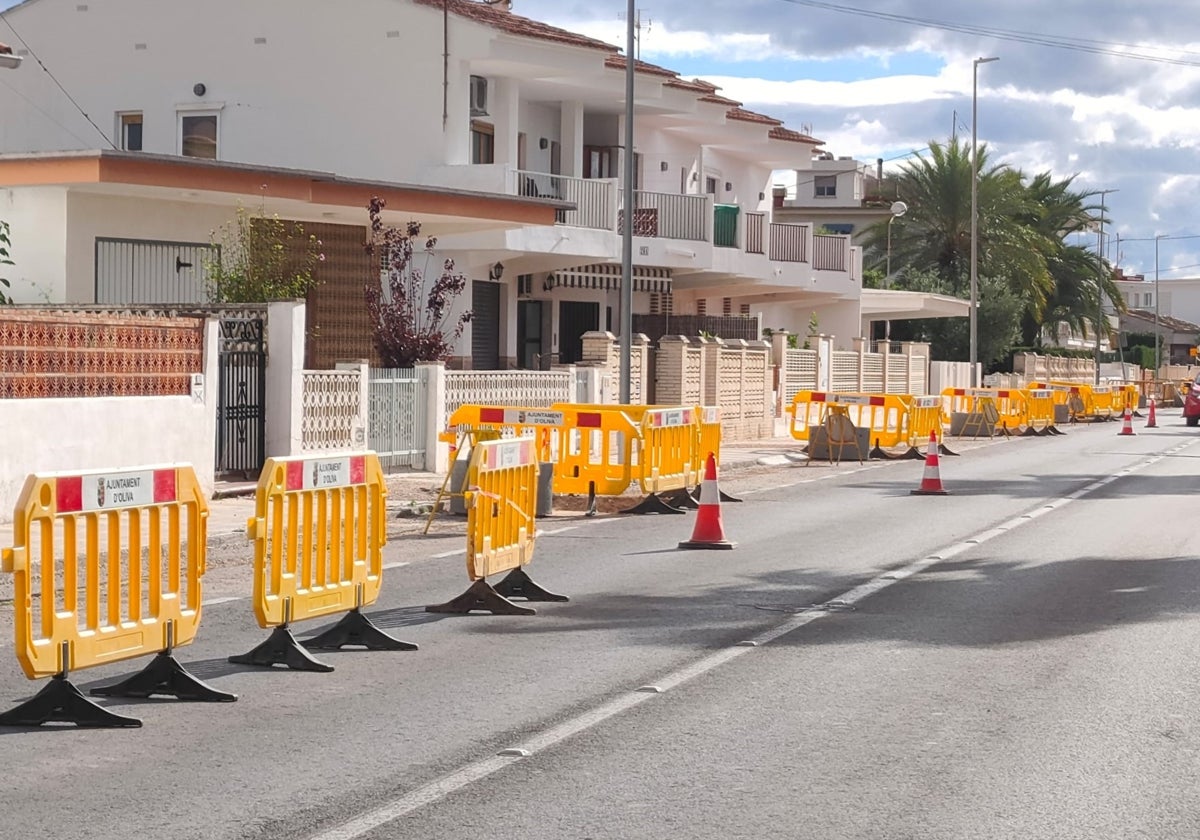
781 133
618 62
742 115
720 100
504 20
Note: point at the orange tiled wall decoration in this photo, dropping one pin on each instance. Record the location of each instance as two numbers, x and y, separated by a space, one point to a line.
76 354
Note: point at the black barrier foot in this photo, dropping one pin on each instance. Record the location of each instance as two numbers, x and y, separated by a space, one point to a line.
517 584
877 454
725 497
481 596
945 450
913 454
653 504
1054 430
357 630
282 649
165 676
591 508
683 500
62 702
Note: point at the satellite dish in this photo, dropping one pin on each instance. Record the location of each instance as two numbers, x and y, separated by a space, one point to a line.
899 208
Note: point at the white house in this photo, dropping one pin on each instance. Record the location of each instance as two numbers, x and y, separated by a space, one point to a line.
458 102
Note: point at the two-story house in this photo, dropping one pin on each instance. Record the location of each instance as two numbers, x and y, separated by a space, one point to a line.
501 134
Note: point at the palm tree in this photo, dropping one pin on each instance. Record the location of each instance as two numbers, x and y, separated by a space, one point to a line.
1035 279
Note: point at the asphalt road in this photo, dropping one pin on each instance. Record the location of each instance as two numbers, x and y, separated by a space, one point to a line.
1015 659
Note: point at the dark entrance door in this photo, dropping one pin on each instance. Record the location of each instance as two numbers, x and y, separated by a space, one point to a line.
529 334
485 325
241 399
574 319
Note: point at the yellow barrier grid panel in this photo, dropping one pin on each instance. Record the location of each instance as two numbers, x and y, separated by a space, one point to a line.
708 419
1040 419
319 527
882 415
106 566
598 453
501 505
668 459
925 415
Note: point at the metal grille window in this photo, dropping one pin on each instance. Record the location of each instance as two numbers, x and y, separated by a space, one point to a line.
744 309
702 306
726 306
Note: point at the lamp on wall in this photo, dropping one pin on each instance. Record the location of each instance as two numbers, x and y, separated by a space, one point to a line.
728 186
543 143
664 166
496 271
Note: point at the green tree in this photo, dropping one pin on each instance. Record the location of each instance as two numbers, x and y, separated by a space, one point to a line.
262 258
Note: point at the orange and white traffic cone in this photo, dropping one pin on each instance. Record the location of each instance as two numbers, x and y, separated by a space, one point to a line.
1127 427
1151 421
709 532
931 481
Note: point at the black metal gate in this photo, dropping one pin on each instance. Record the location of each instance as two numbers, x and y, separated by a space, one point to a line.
241 404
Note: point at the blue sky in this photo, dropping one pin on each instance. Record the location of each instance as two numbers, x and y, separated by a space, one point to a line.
1119 110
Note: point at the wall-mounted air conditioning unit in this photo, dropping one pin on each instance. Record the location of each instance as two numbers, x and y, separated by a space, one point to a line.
479 100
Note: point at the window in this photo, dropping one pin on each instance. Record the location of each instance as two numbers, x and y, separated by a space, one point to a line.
479 96
483 142
726 306
702 306
825 186
745 309
131 131
710 185
199 136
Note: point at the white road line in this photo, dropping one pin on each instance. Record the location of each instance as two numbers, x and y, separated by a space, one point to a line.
446 554
481 769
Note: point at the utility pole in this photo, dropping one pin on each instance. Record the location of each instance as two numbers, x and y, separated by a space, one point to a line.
1100 277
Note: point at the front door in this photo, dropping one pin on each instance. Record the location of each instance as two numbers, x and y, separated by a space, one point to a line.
574 319
529 334
485 325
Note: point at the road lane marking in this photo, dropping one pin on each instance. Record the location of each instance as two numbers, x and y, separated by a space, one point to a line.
478 770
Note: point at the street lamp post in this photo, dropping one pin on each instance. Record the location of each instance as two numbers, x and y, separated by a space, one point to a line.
974 217
1100 277
899 208
1157 328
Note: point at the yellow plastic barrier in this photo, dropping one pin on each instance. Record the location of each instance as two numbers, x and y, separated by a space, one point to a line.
542 424
987 409
882 414
597 451
924 416
501 503
319 527
1040 413
710 436
106 566
669 450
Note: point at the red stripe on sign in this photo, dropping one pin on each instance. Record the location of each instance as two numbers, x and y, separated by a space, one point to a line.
164 486
588 420
876 400
491 415
1002 394
959 392
68 494
818 397
295 475
358 470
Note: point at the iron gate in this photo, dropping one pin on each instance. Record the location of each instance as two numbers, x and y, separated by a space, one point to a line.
241 403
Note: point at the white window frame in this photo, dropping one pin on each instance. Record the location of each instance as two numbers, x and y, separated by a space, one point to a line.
198 109
818 187
121 115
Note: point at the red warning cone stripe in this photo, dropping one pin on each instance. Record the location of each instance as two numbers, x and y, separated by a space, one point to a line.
1151 421
931 480
709 531
1127 426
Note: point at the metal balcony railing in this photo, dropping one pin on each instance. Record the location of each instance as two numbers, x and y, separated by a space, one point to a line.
788 242
830 253
667 216
593 197
755 224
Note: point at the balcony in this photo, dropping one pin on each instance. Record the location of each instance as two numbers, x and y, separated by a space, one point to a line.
667 216
593 197
789 242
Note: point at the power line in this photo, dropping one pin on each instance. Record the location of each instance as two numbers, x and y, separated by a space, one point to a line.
1085 45
53 78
